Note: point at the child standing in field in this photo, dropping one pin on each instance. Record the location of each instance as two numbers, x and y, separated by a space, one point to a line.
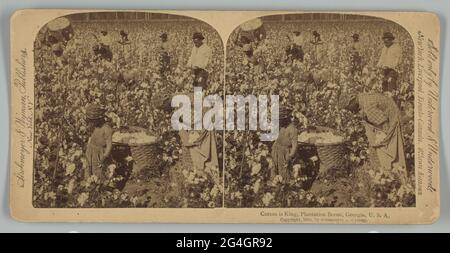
100 142
284 148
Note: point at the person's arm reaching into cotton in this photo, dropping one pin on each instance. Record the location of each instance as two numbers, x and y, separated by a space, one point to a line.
381 61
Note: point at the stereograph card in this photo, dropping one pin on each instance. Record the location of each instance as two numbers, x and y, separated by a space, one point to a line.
224 117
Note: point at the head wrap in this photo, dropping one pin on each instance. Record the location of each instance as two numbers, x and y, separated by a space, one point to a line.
95 111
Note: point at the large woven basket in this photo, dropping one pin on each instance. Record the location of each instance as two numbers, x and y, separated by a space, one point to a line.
144 155
331 155
186 159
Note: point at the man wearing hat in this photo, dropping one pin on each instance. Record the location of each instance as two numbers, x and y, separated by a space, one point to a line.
164 55
317 44
355 54
124 41
103 49
390 57
252 52
199 60
295 50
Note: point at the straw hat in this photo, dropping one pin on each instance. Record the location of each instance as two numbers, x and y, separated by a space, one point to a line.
388 35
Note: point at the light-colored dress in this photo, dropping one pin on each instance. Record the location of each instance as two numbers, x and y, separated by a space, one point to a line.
383 130
95 150
201 147
280 151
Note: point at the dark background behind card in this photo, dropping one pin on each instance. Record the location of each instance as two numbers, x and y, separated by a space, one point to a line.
7 8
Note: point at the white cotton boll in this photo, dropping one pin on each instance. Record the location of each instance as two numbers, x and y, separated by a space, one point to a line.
264 153
277 179
257 186
70 168
111 170
70 186
116 137
296 170
112 167
256 169
82 198
365 71
78 153
267 199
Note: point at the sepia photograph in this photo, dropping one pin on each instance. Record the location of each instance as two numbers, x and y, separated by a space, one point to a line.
346 116
103 88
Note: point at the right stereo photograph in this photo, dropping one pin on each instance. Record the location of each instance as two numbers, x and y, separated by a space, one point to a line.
346 113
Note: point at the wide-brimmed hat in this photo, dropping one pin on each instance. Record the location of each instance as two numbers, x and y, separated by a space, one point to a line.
163 36
355 35
198 35
388 35
95 111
